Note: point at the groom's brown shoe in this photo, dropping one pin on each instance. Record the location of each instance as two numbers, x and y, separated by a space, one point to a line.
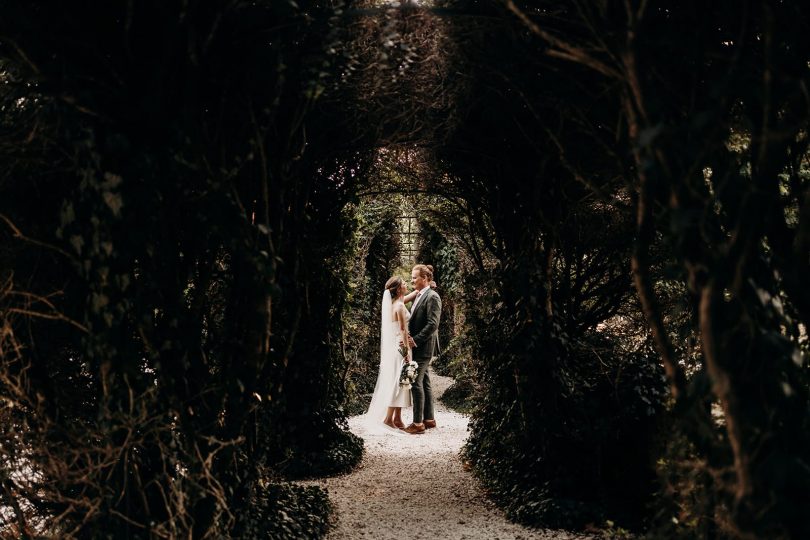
413 429
430 424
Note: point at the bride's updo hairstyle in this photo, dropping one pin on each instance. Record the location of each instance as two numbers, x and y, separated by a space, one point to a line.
393 286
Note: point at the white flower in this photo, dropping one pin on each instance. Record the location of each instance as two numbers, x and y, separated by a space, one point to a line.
408 373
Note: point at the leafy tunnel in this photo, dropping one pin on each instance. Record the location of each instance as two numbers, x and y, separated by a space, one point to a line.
200 204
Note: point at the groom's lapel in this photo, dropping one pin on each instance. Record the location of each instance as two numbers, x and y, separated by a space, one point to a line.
416 307
422 301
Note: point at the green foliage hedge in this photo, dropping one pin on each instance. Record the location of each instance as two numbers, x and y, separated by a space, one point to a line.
322 448
461 396
573 446
287 511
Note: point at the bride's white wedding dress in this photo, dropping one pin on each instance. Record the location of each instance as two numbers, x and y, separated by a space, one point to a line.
387 391
402 396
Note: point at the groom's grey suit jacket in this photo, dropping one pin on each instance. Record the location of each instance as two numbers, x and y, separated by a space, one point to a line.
424 324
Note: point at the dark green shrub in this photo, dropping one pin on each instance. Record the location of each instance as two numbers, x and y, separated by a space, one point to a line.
461 396
321 448
590 461
356 404
282 511
686 504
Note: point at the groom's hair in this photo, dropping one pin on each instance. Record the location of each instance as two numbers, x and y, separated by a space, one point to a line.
425 271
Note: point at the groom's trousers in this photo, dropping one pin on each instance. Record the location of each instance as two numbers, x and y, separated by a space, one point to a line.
422 393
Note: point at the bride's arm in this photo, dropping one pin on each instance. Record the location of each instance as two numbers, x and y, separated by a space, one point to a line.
411 295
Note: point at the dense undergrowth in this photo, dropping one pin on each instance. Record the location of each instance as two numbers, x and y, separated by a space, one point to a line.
287 511
200 204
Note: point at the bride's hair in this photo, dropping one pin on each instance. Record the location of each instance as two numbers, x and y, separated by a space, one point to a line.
393 286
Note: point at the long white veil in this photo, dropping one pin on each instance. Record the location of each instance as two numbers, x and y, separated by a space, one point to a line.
388 376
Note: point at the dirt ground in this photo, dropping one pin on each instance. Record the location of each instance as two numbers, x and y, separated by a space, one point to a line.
415 486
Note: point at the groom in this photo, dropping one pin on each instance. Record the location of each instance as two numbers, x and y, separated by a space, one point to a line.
423 329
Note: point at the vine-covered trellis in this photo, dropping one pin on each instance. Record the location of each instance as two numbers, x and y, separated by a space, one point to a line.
408 232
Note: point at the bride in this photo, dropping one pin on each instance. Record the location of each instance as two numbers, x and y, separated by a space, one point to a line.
389 397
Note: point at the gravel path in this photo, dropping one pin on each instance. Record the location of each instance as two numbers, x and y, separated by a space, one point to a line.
383 499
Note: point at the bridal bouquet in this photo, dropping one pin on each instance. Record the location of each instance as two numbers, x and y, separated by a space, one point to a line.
408 374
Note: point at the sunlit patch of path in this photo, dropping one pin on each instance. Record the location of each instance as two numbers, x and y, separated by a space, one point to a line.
414 486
